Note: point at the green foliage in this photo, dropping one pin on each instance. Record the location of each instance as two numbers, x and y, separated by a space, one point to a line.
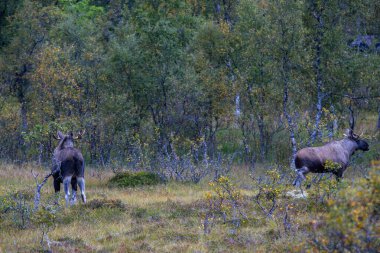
133 179
16 207
177 71
45 217
84 9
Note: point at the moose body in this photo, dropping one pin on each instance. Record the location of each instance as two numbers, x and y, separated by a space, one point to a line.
335 153
68 167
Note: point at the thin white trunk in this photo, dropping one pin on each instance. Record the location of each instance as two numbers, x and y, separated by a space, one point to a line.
318 76
285 68
237 105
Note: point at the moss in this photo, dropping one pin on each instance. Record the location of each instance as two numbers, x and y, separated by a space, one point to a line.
128 179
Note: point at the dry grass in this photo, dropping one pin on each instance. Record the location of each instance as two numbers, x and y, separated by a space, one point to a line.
161 218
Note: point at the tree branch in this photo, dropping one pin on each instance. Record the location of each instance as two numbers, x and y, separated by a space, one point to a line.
37 196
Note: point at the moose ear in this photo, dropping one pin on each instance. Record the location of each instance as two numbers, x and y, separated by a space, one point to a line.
60 135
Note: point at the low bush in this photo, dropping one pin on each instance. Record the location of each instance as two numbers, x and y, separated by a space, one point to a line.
352 220
224 202
129 179
16 207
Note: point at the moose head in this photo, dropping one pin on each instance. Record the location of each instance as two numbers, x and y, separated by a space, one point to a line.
67 140
361 144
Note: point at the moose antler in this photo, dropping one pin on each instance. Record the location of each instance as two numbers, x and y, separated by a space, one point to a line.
355 136
352 118
350 134
80 135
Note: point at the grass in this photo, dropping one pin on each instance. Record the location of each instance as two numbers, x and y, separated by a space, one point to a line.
160 218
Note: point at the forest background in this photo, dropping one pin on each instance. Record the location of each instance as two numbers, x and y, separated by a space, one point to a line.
185 80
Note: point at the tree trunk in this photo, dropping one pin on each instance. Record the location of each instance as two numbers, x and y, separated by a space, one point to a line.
232 77
212 129
260 124
332 125
318 76
378 120
93 146
23 113
40 153
285 69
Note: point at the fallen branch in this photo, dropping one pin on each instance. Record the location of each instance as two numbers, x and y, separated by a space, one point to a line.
39 186
49 243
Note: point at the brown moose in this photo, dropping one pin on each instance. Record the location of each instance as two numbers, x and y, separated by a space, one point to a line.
68 167
315 159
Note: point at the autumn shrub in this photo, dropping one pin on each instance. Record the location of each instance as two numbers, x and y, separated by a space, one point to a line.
270 187
133 179
325 188
224 202
352 220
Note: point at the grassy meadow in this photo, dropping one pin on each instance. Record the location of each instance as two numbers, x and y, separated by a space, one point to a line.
227 215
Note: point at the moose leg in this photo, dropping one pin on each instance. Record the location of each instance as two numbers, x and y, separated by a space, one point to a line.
57 185
81 184
338 175
300 176
74 187
296 181
66 184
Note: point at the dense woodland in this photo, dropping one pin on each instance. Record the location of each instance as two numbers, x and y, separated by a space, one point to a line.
185 80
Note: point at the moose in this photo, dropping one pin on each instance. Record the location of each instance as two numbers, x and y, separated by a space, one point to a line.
336 153
68 166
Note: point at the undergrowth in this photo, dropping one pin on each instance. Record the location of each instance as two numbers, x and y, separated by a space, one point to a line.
133 179
222 215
